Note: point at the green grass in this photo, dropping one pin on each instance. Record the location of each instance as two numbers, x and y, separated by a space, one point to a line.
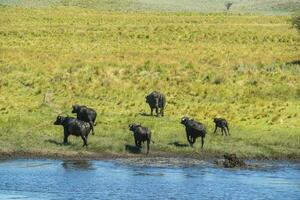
207 6
240 67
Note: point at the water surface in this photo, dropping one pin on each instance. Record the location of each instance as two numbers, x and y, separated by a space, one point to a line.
154 179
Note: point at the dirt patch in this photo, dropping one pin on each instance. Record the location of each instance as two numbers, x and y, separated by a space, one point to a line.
162 162
81 155
84 155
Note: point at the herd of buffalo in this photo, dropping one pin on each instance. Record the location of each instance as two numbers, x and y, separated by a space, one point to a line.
85 121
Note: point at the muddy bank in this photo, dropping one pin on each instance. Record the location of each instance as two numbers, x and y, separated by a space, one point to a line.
187 162
162 162
83 155
65 155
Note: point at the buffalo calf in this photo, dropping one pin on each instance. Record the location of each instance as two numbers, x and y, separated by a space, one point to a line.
193 130
85 114
222 124
140 134
73 126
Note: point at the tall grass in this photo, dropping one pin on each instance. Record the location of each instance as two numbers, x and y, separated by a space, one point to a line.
243 68
282 7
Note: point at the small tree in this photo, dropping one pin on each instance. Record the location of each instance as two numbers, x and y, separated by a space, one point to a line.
296 22
228 5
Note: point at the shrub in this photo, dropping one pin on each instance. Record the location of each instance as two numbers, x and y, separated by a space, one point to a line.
228 5
296 22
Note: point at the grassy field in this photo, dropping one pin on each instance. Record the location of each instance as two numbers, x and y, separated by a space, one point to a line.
270 7
244 68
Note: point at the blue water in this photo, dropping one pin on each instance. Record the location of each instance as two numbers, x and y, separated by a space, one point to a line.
54 179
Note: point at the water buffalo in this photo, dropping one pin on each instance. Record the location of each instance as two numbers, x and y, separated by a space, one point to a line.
223 124
156 100
85 114
141 134
193 130
73 126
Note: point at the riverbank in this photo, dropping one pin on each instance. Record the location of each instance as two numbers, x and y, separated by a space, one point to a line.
86 155
244 68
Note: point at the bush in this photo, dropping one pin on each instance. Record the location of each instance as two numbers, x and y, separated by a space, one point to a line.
296 22
228 5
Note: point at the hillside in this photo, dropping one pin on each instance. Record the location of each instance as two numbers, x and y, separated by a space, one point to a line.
239 6
243 68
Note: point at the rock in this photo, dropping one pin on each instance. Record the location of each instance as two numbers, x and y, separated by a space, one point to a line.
230 161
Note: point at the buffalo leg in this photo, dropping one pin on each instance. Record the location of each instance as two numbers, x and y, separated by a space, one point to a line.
202 142
156 110
224 131
192 141
227 129
188 139
136 143
92 127
84 140
148 142
65 139
139 144
162 112
215 129
66 135
151 111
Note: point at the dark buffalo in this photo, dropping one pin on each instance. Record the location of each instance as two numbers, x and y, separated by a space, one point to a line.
193 130
156 101
223 124
141 134
85 114
73 126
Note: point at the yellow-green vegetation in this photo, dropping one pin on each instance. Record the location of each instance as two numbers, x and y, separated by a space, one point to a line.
244 68
273 7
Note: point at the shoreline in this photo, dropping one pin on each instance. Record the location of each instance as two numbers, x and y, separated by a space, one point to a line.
88 155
